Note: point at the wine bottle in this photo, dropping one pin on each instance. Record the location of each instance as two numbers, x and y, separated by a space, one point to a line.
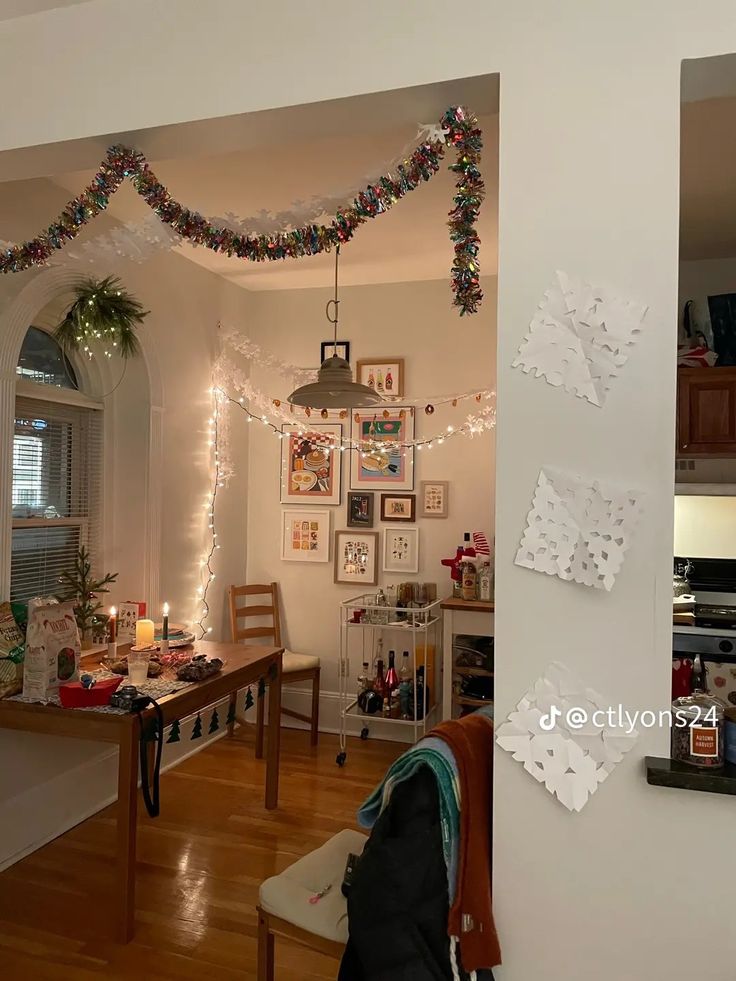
404 686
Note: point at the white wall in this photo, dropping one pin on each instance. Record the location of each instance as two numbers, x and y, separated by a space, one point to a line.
589 183
414 321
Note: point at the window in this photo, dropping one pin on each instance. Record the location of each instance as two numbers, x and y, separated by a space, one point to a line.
57 473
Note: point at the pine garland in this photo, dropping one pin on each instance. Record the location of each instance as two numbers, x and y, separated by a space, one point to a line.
103 314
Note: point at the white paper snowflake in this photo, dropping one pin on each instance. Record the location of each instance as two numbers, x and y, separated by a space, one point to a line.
578 529
580 337
576 753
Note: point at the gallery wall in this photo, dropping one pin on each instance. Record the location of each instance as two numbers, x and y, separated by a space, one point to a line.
413 321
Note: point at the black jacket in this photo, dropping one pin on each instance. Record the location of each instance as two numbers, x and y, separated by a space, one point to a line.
398 903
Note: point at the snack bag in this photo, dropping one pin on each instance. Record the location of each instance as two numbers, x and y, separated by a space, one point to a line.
12 650
53 650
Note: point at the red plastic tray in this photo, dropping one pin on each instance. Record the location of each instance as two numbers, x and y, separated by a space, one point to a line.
74 695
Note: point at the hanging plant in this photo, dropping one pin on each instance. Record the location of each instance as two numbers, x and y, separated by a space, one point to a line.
104 314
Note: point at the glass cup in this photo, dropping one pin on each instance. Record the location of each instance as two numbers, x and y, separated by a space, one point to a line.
138 667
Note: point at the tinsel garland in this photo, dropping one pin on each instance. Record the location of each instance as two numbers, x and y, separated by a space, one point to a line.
122 162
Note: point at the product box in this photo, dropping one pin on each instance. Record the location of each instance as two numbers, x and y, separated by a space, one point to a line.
128 615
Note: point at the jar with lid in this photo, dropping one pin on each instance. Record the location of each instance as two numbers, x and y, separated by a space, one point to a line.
698 730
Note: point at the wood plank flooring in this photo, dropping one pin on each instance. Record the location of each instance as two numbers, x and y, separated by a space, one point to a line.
199 868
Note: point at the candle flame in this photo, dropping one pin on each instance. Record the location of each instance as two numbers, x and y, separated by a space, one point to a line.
113 611
166 609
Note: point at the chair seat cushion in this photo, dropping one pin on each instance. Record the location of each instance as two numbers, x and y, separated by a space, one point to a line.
287 895
298 662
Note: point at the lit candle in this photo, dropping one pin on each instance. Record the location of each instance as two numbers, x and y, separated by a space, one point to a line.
112 633
144 633
165 630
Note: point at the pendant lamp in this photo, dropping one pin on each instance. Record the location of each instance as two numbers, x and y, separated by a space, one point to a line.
335 388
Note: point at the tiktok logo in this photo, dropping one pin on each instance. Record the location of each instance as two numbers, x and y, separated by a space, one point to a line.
549 721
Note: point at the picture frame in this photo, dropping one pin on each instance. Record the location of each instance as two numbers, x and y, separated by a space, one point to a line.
435 498
389 468
328 348
383 375
360 510
398 507
305 536
401 550
311 465
356 557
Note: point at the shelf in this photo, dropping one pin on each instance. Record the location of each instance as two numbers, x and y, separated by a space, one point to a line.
663 772
472 672
467 700
354 712
475 606
395 626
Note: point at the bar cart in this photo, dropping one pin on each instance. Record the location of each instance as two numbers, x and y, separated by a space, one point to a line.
364 627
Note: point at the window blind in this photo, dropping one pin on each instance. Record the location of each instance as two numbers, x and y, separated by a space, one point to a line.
57 492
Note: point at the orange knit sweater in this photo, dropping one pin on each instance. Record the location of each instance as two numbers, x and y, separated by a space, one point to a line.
471 915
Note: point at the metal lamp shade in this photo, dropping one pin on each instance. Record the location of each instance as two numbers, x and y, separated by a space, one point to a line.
335 389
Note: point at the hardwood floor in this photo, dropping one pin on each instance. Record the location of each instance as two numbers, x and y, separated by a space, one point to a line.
199 868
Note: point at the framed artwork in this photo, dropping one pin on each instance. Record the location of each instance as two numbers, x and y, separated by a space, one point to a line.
310 465
398 507
356 559
401 550
435 496
383 375
305 536
360 510
387 466
340 348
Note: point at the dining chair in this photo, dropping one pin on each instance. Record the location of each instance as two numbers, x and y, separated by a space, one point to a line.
296 667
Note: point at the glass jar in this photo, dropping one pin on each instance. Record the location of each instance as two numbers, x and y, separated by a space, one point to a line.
698 730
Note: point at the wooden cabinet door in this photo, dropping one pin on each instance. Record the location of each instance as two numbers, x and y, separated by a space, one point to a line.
706 411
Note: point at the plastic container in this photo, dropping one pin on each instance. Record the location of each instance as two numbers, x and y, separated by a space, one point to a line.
74 695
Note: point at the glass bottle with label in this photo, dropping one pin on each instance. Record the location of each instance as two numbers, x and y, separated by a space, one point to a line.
698 725
485 583
405 686
391 702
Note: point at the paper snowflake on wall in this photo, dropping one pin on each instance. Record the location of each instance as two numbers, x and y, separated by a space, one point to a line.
580 337
578 529
566 735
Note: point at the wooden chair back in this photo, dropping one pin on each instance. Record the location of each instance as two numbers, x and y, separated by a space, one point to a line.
268 609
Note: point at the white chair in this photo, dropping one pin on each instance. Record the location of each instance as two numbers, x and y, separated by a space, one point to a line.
284 908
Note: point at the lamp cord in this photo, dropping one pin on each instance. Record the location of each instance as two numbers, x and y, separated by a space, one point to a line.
336 303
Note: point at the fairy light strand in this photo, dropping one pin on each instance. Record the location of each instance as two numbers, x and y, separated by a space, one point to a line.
207 573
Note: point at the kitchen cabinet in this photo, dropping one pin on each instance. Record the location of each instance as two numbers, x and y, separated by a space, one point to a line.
706 411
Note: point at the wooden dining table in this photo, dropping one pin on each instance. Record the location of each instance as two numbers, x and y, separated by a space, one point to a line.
243 666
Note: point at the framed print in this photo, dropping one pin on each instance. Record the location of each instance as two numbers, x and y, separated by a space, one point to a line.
310 464
401 550
435 497
398 507
305 536
386 465
360 510
356 559
340 348
383 375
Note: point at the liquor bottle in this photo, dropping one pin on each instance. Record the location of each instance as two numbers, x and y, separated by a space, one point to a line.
381 614
485 583
392 679
379 682
420 700
405 686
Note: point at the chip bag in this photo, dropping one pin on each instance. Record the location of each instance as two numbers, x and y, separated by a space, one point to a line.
12 651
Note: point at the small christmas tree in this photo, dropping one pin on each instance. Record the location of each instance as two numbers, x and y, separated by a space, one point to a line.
197 730
214 722
82 588
175 734
248 699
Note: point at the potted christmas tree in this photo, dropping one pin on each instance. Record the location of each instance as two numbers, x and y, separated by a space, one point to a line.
82 589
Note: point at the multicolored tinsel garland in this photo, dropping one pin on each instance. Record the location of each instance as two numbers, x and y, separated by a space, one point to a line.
122 162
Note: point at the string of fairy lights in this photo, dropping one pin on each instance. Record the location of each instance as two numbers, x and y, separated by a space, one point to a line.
221 468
